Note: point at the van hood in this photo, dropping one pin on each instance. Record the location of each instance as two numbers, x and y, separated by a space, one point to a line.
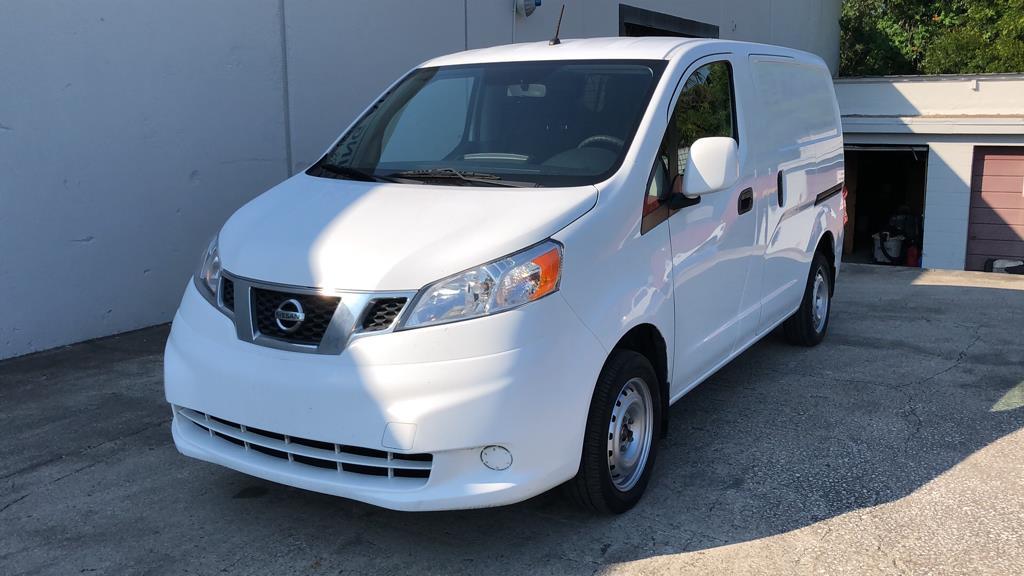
348 235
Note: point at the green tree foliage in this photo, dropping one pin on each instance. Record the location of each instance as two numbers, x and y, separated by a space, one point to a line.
705 104
931 37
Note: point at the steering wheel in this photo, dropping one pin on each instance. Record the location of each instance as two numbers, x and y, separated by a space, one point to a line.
603 140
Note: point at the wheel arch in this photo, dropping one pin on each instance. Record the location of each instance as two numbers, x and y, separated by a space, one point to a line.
827 247
647 340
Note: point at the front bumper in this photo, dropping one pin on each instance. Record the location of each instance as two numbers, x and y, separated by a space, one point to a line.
521 379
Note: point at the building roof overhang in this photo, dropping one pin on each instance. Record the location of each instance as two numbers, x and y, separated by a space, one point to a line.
937 124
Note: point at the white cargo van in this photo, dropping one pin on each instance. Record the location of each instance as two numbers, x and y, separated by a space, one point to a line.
505 271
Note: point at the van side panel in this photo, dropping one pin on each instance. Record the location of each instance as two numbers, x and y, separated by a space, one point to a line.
748 321
800 137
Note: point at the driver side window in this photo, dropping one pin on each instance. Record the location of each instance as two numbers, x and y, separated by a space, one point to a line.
705 108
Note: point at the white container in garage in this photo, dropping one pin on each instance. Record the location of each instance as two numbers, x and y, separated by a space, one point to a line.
893 246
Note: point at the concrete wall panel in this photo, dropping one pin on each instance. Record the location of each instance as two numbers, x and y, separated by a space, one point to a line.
128 132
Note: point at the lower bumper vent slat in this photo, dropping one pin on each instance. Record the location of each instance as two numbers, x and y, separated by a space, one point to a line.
269 451
234 441
315 462
314 453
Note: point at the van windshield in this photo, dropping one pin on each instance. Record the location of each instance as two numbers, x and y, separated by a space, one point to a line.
558 123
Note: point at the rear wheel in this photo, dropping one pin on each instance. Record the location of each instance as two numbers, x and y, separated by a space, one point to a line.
808 326
619 445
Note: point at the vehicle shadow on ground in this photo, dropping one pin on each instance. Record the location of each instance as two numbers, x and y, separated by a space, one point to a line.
907 385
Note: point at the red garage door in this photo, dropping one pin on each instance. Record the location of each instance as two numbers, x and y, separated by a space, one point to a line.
997 206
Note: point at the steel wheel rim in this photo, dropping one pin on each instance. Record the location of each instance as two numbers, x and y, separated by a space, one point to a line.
819 302
630 432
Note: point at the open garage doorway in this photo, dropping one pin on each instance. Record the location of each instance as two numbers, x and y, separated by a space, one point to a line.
885 204
635 21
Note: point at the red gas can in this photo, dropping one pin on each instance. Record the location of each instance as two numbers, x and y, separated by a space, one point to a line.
913 256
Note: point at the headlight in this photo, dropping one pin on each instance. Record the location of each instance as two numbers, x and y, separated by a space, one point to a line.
494 287
208 275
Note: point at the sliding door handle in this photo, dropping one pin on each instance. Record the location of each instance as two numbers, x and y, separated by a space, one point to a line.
746 201
778 189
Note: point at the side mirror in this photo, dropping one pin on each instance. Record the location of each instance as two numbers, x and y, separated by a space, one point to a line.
712 166
678 200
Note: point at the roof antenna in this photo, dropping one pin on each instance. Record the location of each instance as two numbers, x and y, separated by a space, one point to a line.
555 41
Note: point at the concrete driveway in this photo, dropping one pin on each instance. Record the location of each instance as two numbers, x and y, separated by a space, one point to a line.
894 447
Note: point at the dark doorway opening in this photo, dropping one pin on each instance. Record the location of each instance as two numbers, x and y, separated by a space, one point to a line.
635 21
885 204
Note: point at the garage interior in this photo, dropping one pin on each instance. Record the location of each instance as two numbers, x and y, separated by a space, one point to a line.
885 203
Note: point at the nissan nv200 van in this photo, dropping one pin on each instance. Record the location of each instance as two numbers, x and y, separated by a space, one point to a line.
507 269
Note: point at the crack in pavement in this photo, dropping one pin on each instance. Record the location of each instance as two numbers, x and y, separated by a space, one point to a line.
960 357
911 410
13 502
37 465
73 472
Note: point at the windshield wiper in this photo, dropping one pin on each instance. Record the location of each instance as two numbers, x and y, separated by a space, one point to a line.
467 176
350 173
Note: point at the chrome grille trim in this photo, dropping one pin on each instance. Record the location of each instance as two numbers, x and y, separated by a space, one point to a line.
345 325
411 469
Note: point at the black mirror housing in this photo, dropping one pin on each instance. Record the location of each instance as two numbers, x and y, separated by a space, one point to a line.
678 201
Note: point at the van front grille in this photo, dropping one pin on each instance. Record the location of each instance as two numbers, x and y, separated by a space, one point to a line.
305 319
382 314
227 293
318 311
297 451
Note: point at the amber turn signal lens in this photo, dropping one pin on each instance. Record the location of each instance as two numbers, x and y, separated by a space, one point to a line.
550 264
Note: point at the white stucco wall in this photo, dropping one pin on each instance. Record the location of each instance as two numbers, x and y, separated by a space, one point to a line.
947 203
908 96
129 131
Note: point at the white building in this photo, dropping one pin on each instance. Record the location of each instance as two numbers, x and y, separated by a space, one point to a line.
129 131
949 148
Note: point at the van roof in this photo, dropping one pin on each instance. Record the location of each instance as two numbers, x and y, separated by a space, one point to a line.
617 48
645 48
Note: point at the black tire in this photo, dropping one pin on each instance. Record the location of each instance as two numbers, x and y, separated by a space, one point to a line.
804 327
593 487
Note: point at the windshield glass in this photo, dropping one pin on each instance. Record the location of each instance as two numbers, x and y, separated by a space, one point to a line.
559 123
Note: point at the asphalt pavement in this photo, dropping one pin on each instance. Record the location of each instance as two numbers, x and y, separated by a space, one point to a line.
895 447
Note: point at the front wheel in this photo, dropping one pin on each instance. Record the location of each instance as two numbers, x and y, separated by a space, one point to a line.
619 445
808 326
